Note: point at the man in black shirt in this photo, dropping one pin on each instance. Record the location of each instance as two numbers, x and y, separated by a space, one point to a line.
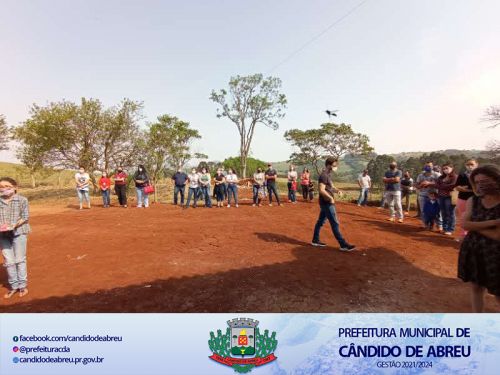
179 179
271 175
327 207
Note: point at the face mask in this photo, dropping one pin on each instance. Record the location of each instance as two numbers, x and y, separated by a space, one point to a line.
140 169
487 188
469 168
7 192
392 166
335 169
120 170
427 169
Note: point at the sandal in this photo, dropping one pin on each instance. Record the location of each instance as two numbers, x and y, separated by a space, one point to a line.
10 293
23 292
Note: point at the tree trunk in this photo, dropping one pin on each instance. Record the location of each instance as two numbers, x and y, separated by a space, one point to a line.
33 181
155 194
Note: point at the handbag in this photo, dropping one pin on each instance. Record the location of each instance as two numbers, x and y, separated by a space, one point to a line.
148 189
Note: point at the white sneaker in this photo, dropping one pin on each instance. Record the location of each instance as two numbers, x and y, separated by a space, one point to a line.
228 206
236 206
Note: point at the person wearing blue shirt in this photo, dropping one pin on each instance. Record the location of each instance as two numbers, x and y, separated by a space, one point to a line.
392 181
431 211
179 179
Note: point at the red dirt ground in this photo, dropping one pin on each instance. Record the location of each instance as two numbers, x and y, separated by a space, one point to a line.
246 259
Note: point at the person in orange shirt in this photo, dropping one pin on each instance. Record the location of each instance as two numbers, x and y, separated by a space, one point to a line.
105 185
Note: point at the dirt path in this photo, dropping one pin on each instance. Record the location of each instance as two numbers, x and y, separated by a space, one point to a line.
246 259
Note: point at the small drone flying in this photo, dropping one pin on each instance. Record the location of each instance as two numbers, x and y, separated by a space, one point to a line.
331 113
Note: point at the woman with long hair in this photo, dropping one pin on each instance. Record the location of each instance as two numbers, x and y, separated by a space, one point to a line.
141 179
219 182
305 177
479 258
232 187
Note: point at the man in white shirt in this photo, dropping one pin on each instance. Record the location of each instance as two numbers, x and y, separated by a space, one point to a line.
365 184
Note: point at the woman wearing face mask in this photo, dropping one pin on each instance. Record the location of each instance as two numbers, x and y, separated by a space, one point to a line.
105 185
232 187
304 183
465 192
258 186
479 258
205 179
121 186
82 180
445 184
14 229
141 180
219 181
194 186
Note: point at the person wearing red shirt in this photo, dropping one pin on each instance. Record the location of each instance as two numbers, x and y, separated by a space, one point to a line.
121 186
105 185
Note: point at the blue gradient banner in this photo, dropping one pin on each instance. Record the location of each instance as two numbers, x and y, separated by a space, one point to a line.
154 344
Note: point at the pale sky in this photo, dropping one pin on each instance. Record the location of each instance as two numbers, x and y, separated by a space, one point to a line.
412 75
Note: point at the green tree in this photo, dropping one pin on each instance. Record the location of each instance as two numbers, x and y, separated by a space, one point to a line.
252 164
377 168
340 140
166 144
250 100
4 134
308 145
67 135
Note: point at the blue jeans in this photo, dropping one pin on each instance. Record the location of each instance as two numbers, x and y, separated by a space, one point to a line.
83 195
270 189
179 190
219 192
206 194
142 197
422 199
256 190
193 192
328 211
232 189
292 195
363 196
106 197
447 214
14 253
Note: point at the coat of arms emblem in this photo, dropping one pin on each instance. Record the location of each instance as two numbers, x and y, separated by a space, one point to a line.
243 346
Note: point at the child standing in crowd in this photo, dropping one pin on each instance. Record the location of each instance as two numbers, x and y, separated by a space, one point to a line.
82 179
431 210
292 178
105 185
232 187
14 229
121 186
310 189
219 181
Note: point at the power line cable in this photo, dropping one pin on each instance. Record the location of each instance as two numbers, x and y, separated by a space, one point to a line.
316 37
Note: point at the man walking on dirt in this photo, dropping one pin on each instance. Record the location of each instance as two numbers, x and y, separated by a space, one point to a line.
327 207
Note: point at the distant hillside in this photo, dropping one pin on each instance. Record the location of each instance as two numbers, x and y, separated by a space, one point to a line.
448 152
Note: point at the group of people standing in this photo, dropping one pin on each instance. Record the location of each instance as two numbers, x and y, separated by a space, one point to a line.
441 196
